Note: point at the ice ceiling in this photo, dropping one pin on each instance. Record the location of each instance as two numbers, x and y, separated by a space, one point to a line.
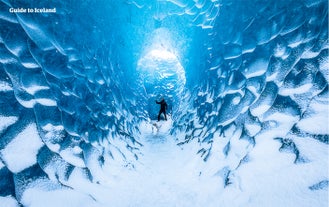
246 82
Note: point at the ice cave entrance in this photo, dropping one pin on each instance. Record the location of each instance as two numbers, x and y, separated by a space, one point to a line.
162 76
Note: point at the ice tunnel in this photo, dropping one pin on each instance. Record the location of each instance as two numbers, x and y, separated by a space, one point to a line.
160 73
246 83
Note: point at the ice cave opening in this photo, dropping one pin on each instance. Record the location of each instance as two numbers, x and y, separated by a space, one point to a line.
161 75
246 84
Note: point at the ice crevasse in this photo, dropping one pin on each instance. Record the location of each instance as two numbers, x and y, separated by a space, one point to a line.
246 84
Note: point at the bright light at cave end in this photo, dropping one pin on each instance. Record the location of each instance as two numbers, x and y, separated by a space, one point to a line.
162 54
161 65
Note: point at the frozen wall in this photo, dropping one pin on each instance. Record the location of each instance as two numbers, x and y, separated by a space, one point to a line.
251 90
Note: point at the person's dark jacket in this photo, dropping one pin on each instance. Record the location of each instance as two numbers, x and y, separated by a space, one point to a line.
163 105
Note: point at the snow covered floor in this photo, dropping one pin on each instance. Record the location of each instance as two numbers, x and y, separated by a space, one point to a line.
167 175
171 176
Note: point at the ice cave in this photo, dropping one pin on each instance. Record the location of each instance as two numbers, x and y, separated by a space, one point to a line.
246 87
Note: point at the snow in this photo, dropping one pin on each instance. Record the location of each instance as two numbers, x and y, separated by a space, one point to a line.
253 129
4 86
71 155
6 121
34 88
316 119
166 177
256 68
69 198
281 177
169 175
21 152
8 201
298 90
46 102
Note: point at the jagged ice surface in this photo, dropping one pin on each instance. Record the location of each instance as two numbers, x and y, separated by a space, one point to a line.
246 83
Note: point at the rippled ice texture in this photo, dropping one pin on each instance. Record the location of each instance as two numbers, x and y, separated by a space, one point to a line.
248 122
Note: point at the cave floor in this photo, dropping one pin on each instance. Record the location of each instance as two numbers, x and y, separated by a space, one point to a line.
166 177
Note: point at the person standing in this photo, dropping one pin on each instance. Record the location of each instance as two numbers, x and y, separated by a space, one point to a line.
163 108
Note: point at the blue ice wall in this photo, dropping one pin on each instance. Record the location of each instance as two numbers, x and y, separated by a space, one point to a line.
259 55
63 75
74 85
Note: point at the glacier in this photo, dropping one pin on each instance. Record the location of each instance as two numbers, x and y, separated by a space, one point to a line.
246 83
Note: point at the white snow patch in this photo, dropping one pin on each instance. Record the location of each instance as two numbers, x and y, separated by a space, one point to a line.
27 103
6 121
53 135
30 65
8 201
5 87
309 55
295 44
279 50
271 175
21 152
317 121
259 110
257 68
46 101
65 198
35 88
71 155
253 129
297 90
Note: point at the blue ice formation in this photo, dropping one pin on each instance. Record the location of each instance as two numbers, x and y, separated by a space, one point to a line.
76 84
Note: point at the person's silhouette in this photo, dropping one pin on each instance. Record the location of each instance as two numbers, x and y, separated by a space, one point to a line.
163 109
